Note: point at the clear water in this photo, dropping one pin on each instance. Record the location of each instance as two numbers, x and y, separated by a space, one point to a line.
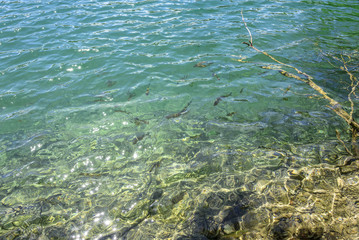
85 88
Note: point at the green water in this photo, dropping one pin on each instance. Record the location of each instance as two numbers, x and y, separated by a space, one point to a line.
152 120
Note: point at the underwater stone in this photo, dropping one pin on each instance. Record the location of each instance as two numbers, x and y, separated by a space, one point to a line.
7 226
232 181
332 236
230 217
276 193
157 194
348 169
262 174
295 174
280 229
178 197
215 201
310 234
153 208
229 228
308 185
204 224
56 233
292 185
250 220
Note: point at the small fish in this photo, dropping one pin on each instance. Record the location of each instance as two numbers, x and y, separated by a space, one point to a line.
177 198
230 114
110 83
138 137
139 121
241 100
304 114
155 166
183 111
295 174
202 64
148 90
217 101
121 111
227 95
215 75
287 89
130 95
174 115
241 90
220 98
100 99
91 174
195 136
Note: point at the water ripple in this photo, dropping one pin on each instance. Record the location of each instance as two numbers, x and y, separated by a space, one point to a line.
85 88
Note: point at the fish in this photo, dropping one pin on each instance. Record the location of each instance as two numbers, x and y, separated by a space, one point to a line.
155 166
220 98
174 115
215 75
241 100
217 101
91 174
139 121
184 77
130 95
183 111
202 64
148 90
110 83
287 89
100 99
120 110
138 137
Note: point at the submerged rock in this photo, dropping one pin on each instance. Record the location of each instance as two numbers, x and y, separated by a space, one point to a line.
194 191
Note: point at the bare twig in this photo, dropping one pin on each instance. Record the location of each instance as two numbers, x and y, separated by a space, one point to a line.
333 104
342 142
245 24
355 148
354 85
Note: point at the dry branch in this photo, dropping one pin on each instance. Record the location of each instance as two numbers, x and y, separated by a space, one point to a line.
333 104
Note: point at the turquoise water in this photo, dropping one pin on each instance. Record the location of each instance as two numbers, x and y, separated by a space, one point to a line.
90 143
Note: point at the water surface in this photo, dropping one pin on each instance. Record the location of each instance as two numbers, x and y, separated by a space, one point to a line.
151 119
